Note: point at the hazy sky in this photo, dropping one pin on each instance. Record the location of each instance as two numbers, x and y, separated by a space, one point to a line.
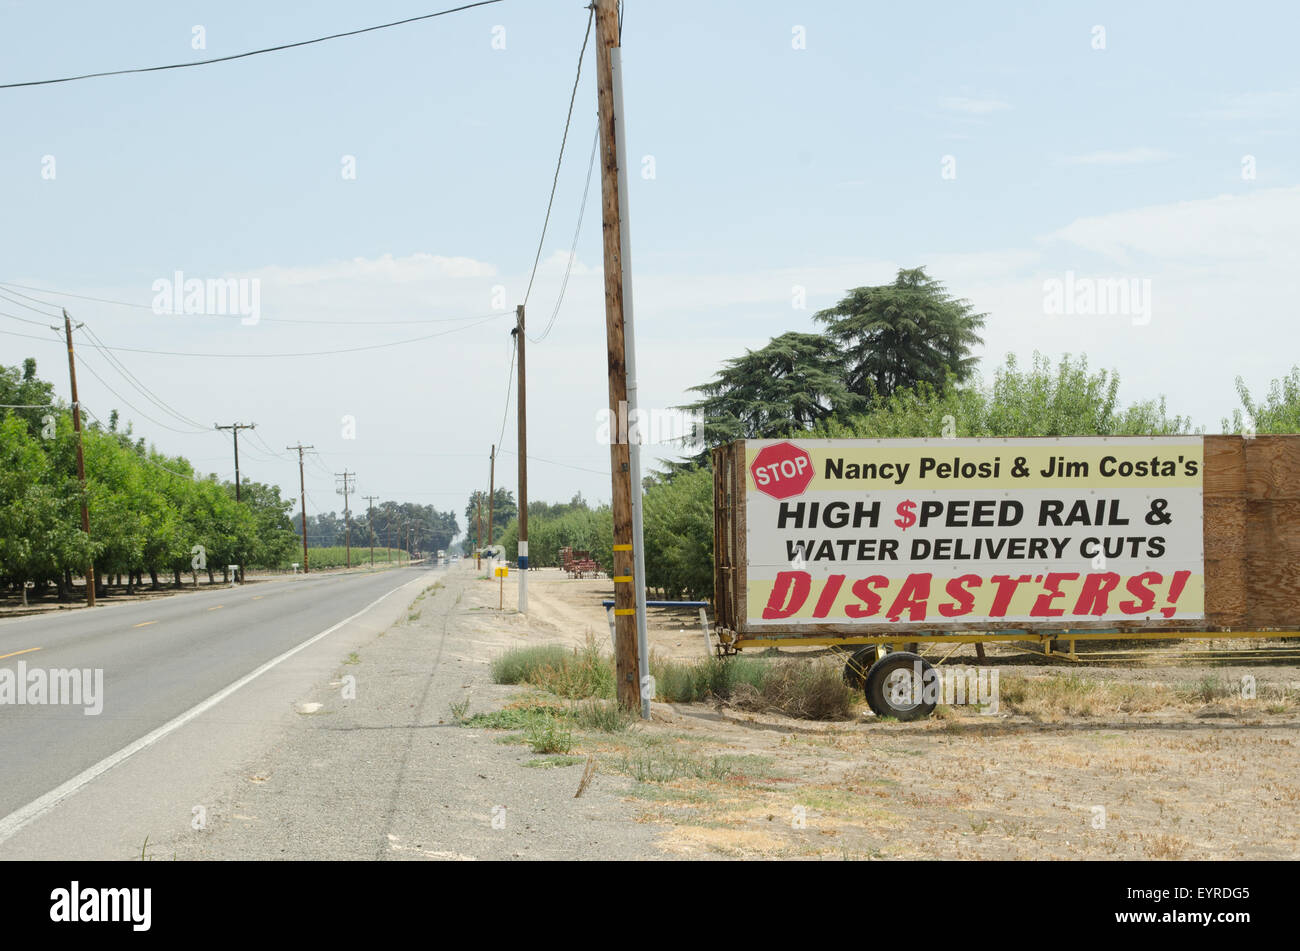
819 145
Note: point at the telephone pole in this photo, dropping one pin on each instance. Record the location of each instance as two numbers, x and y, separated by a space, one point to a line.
347 515
492 491
81 459
521 403
626 651
302 490
235 428
370 519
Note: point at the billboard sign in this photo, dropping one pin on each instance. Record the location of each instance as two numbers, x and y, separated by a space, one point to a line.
939 532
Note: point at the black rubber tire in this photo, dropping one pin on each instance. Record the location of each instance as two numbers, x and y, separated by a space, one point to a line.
878 694
857 665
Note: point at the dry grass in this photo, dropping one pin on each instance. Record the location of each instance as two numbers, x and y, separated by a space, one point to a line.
801 689
1058 696
804 689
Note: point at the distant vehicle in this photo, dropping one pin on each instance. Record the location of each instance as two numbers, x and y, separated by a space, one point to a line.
442 556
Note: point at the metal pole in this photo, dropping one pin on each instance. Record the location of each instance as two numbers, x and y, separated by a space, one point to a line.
629 351
492 491
523 466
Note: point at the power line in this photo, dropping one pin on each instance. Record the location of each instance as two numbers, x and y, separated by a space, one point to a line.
14 333
563 465
37 310
560 161
258 52
135 381
311 353
265 445
145 457
509 387
8 286
573 249
26 320
129 405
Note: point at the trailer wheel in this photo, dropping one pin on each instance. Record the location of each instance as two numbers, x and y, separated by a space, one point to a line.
890 689
858 665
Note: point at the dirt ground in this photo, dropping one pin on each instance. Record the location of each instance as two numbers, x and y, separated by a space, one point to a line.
1147 756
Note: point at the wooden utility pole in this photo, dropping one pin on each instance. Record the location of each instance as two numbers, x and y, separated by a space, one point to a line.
629 356
370 520
626 663
302 490
492 490
235 428
521 402
81 459
347 515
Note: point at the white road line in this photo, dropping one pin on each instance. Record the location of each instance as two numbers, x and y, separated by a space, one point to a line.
11 823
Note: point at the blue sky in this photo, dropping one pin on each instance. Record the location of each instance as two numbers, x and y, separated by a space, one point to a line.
773 167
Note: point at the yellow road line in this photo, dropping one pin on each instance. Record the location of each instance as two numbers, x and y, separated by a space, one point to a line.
217 608
144 623
16 653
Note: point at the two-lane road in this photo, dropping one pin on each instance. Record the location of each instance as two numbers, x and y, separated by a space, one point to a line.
159 659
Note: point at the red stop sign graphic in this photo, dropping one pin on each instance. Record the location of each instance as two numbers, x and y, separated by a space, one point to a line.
782 470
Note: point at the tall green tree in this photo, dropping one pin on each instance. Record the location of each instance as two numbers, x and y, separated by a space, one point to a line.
23 388
503 510
897 335
40 532
793 383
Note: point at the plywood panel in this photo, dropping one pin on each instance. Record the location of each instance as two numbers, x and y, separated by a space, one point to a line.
1225 467
1272 561
1273 467
1225 561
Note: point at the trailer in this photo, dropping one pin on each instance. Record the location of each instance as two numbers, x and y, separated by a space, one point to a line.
875 545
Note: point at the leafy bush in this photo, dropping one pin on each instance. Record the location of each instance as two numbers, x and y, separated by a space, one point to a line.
1040 401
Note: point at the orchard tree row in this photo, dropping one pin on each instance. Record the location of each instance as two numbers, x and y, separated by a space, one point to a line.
153 517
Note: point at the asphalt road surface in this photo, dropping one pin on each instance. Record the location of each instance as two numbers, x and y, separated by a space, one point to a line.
159 659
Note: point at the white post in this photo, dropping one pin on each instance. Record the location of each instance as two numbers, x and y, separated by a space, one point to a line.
523 577
629 358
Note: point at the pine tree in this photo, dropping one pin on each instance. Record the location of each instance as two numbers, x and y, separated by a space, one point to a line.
897 335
